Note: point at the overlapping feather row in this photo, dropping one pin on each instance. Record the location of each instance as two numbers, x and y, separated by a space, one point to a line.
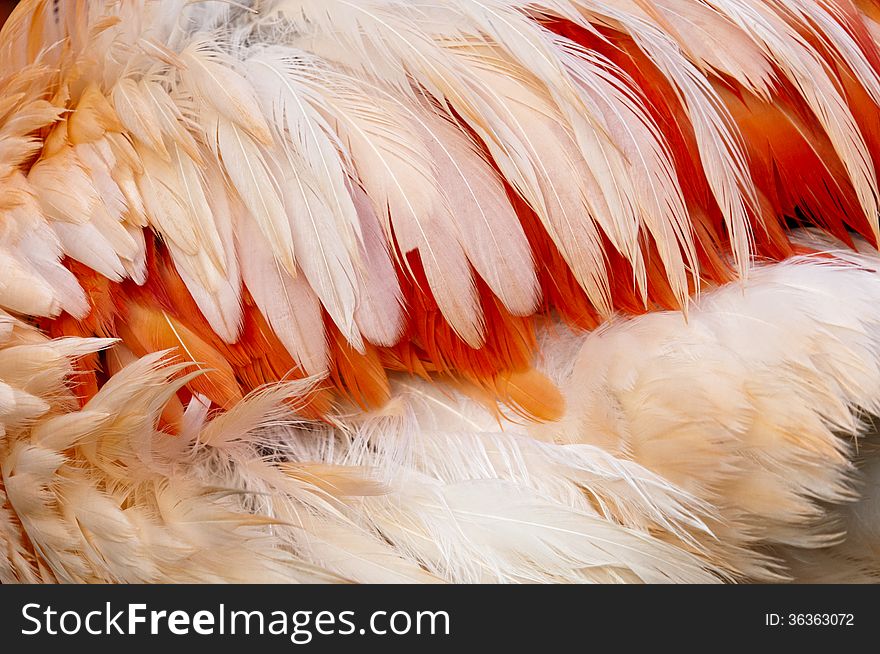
286 288
378 169
644 478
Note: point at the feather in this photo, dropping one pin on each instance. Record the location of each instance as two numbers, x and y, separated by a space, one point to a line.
810 75
63 187
258 188
395 171
289 305
323 219
488 228
150 330
137 114
211 77
379 314
719 145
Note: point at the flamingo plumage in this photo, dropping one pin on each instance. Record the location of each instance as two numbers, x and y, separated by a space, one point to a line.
469 291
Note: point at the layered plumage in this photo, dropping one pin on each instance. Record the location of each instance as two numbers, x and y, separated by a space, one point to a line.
644 477
349 258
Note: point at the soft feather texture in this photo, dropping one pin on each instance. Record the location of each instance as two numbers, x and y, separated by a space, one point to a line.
422 180
645 478
344 251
